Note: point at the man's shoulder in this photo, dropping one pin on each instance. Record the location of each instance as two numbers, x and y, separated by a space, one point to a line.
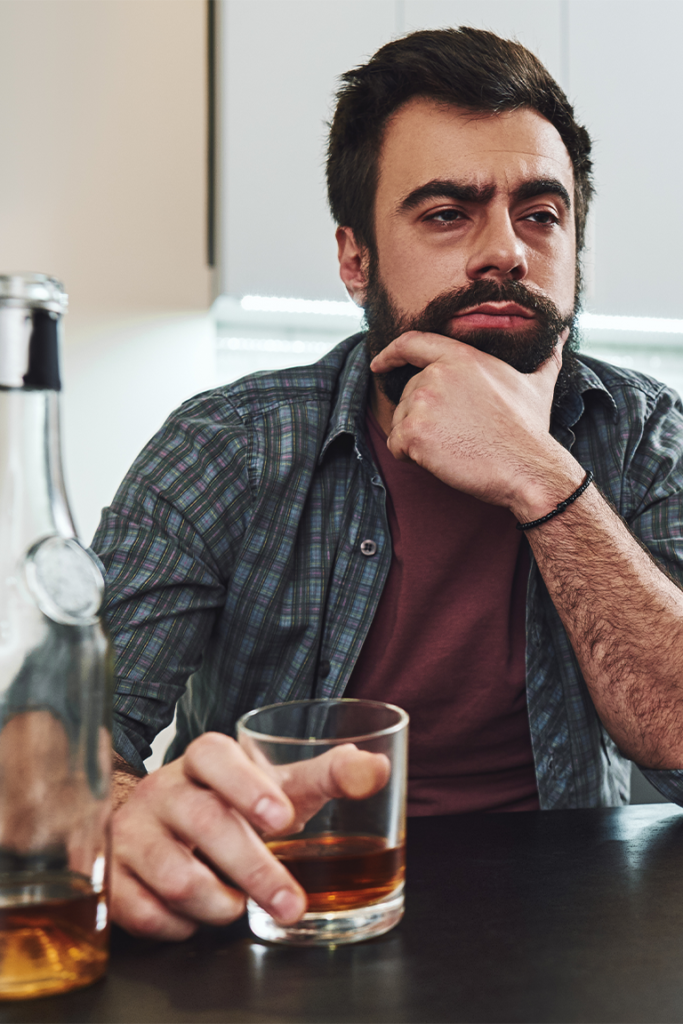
597 374
257 394
625 398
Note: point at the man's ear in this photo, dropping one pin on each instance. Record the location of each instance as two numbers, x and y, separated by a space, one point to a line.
353 264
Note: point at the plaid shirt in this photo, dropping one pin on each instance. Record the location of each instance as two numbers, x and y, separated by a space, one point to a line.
236 576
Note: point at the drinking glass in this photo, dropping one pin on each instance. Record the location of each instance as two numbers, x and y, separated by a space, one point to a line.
349 855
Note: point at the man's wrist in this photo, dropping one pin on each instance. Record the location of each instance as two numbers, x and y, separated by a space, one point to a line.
550 482
124 779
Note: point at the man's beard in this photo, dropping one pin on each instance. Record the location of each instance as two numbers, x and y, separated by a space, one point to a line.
524 349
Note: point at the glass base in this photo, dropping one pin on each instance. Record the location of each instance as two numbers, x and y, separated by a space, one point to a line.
333 928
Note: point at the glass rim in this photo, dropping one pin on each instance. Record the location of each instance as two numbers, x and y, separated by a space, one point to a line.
388 730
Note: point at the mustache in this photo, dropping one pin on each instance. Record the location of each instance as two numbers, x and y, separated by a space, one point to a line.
435 317
524 349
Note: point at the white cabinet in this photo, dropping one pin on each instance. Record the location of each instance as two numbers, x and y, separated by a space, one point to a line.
279 64
619 61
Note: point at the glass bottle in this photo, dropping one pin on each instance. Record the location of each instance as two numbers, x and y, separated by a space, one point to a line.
55 735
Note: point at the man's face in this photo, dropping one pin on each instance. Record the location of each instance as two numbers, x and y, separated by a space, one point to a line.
474 234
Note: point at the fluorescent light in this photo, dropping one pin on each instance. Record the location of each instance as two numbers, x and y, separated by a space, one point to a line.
646 324
324 307
274 345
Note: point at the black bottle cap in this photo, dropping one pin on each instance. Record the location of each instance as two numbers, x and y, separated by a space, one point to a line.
43 353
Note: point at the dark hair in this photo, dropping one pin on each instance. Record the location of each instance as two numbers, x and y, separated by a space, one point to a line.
466 67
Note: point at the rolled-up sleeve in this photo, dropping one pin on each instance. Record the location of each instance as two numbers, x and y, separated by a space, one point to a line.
655 477
167 543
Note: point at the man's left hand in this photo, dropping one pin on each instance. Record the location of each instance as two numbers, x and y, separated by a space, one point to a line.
478 424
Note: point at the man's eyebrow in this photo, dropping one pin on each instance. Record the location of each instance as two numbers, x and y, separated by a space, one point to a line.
543 187
447 189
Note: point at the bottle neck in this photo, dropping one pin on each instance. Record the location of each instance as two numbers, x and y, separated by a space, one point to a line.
33 502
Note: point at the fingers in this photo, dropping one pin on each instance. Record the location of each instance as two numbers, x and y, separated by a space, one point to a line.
414 347
218 762
548 372
191 811
140 912
178 887
206 807
232 845
343 772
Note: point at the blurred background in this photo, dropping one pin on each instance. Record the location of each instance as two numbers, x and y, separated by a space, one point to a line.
165 159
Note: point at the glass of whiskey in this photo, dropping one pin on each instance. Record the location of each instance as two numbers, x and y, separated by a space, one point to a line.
343 763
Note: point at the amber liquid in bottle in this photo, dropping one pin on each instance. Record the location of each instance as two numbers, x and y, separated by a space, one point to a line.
340 872
53 937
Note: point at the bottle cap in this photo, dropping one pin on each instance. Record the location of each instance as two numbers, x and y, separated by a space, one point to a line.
30 308
37 291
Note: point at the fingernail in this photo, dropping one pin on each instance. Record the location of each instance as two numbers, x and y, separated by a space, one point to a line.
272 813
287 906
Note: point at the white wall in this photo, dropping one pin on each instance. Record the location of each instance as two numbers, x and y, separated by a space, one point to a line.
626 78
102 184
618 61
280 63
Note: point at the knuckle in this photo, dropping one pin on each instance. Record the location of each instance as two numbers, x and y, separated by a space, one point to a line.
150 789
262 878
177 888
177 879
141 913
207 746
423 394
143 919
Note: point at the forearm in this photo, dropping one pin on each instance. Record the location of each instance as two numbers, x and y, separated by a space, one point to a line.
624 618
124 780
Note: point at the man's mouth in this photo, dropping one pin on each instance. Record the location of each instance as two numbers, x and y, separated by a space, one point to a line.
504 315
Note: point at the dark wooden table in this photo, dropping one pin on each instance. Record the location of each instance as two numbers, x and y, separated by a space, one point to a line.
556 916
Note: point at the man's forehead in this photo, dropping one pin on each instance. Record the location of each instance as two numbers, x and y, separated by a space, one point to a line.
426 139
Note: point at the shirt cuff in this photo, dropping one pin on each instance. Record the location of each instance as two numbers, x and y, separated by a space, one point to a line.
128 745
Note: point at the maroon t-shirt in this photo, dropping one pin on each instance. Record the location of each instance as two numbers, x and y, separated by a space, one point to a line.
448 643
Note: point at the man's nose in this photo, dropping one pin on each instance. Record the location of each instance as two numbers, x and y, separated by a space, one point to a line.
497 252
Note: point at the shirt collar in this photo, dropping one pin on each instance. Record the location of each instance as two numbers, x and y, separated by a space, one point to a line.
350 399
573 407
349 402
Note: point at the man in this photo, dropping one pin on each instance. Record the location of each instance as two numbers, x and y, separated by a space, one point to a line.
333 530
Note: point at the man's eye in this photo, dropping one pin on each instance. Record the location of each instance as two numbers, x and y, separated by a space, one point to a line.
445 216
543 217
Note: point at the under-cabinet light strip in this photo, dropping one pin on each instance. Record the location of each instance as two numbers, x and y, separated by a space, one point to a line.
328 307
274 345
324 307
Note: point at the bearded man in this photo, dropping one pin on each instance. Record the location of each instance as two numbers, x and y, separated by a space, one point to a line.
453 512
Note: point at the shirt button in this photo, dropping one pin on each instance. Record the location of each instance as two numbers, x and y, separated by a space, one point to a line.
368 548
324 669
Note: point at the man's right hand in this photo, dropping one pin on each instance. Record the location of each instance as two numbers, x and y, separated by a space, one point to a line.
211 806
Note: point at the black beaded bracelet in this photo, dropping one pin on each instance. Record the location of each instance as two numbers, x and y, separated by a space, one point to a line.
562 505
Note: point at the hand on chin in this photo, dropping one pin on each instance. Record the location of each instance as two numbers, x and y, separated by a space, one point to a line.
470 418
